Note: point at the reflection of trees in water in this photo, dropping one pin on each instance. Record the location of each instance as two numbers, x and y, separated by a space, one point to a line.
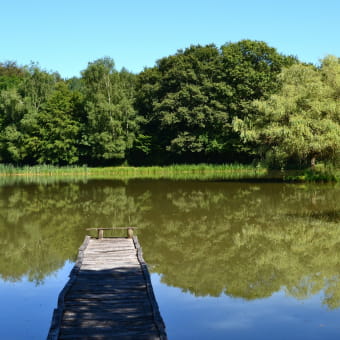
42 226
248 240
245 240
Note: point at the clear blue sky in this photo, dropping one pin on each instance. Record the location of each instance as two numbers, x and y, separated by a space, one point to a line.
64 35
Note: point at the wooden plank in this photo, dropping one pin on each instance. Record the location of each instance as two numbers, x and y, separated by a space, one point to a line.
109 336
90 327
94 305
109 295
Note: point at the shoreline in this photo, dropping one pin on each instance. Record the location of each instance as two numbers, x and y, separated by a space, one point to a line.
224 172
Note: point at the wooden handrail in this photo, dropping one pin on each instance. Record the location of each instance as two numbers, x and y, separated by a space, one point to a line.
101 231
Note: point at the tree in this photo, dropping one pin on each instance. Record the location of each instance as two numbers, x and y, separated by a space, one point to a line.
301 122
189 99
19 110
111 119
183 100
12 110
251 69
58 130
37 86
11 75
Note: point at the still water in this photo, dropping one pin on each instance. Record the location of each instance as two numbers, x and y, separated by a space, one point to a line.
228 260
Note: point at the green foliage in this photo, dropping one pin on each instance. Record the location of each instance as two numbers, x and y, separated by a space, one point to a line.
58 131
39 121
183 100
251 70
189 99
11 75
111 121
302 120
243 102
37 86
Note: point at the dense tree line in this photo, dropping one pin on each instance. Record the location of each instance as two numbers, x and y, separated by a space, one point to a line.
242 102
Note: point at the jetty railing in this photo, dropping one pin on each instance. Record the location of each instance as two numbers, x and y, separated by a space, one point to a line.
101 230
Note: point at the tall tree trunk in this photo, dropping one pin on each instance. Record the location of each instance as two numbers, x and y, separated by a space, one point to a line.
313 162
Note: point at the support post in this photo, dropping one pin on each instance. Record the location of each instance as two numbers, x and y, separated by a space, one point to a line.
100 234
130 232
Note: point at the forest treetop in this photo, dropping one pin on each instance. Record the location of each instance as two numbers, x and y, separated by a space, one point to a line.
242 102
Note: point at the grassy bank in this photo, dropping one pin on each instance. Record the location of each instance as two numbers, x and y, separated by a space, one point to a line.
313 176
199 171
176 172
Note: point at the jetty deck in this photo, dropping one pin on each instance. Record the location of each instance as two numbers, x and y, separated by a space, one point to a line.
109 295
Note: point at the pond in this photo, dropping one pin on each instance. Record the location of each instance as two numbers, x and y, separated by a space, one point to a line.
227 259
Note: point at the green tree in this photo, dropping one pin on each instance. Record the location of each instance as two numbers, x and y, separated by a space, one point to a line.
11 75
301 122
36 119
189 100
111 118
37 86
58 130
184 102
251 69
12 110
19 115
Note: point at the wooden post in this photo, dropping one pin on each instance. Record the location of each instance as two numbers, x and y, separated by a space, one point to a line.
100 234
130 232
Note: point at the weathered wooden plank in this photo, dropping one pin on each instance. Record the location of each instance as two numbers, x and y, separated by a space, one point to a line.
113 282
112 314
109 337
98 305
112 257
108 303
107 290
94 327
108 250
112 262
110 272
109 295
96 322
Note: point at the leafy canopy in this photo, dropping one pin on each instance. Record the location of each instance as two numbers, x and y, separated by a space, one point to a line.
302 120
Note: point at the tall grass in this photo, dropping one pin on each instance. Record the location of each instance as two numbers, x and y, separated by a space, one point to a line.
314 176
175 172
49 170
185 171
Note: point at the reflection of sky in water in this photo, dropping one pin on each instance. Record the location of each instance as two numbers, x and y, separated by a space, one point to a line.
26 309
277 317
26 312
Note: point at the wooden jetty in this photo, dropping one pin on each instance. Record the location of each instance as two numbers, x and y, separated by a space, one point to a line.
109 294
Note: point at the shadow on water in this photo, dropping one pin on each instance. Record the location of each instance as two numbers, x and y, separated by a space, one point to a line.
246 240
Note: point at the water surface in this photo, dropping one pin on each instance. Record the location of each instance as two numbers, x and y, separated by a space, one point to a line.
228 260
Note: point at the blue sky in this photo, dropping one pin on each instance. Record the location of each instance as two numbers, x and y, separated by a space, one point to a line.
64 35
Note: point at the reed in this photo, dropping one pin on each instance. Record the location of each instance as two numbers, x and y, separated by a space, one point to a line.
314 176
183 171
230 172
